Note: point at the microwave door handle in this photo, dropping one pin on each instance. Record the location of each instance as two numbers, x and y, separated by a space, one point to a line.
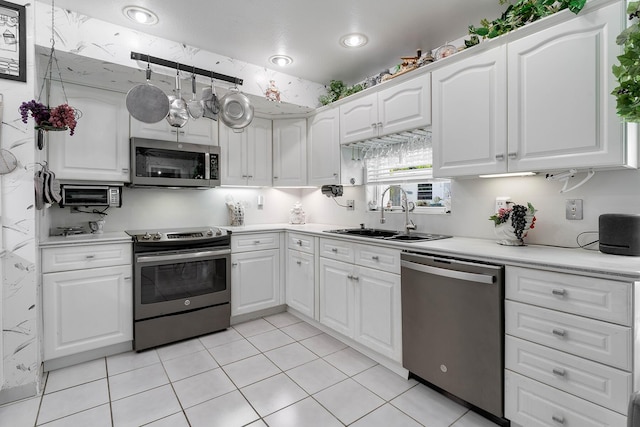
207 166
180 257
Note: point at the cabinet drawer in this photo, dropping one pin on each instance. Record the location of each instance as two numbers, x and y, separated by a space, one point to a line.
337 249
592 381
601 299
85 256
378 257
301 242
533 404
593 339
254 242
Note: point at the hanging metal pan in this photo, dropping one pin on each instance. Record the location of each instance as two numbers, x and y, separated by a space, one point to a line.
147 103
236 110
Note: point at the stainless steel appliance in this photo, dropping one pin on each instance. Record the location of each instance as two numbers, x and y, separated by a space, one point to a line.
156 163
90 195
181 284
453 328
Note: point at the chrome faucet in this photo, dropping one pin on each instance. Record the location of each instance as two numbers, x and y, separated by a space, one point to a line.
409 224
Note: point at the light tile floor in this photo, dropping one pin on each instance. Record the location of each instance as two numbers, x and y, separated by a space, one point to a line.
277 371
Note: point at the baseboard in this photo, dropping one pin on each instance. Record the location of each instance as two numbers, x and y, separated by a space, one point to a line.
74 359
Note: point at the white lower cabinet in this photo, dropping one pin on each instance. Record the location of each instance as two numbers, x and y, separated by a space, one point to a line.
86 308
360 302
568 349
300 276
255 273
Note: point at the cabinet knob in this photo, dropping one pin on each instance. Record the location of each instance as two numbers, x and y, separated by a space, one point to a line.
379 124
559 292
127 278
558 419
299 243
299 262
559 332
89 256
499 157
350 277
335 250
513 155
375 257
356 278
244 176
256 242
335 174
373 125
275 177
234 264
250 176
559 372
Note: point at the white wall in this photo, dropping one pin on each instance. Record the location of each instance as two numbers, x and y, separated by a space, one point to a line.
473 201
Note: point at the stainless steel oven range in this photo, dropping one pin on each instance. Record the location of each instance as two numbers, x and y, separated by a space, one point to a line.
181 284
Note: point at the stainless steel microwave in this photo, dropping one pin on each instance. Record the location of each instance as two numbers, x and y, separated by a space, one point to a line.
156 163
90 195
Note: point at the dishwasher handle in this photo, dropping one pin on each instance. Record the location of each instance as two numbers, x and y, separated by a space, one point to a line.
454 274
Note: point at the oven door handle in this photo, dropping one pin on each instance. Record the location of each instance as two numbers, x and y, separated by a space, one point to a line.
180 257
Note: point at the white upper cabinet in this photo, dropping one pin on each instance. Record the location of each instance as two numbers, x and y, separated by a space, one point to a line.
470 115
246 156
290 152
202 131
541 102
398 108
561 112
99 149
323 148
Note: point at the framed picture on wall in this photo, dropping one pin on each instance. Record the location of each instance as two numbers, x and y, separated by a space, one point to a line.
13 42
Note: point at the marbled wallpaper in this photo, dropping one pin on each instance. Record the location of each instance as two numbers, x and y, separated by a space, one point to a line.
18 254
89 37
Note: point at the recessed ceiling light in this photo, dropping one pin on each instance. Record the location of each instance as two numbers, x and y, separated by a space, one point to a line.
353 40
140 15
281 60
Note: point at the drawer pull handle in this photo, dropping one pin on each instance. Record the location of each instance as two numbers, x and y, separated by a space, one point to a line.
356 278
234 264
299 262
559 332
256 242
558 418
559 292
299 243
350 277
375 258
127 278
90 256
559 372
335 250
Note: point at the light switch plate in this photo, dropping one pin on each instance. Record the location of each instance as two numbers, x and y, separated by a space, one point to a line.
574 209
350 205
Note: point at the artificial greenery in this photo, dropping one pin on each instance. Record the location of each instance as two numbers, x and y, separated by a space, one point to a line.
519 14
338 90
628 72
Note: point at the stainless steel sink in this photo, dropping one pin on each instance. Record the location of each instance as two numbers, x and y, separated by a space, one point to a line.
376 233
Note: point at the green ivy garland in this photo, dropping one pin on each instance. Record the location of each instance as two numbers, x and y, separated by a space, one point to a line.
628 72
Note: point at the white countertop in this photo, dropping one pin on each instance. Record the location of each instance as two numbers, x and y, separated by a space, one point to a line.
579 260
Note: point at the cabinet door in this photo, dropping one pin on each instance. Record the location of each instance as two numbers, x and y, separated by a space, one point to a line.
323 159
300 289
377 311
405 106
336 296
202 131
255 281
470 115
290 152
233 153
86 309
359 119
561 113
99 149
259 152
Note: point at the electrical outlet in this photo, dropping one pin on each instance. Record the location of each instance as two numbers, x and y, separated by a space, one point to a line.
501 202
351 205
574 209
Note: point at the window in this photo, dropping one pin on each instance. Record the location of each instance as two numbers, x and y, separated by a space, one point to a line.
433 197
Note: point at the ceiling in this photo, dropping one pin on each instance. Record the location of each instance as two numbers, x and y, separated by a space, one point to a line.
308 31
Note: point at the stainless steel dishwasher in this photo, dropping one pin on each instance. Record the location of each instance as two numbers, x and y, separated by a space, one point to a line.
453 327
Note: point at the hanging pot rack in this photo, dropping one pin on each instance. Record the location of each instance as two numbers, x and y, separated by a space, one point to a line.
182 67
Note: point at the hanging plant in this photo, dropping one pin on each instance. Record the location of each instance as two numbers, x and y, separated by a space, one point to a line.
59 118
628 72
519 14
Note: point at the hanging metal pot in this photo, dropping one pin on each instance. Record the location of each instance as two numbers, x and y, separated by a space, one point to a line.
194 106
146 102
178 115
236 110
